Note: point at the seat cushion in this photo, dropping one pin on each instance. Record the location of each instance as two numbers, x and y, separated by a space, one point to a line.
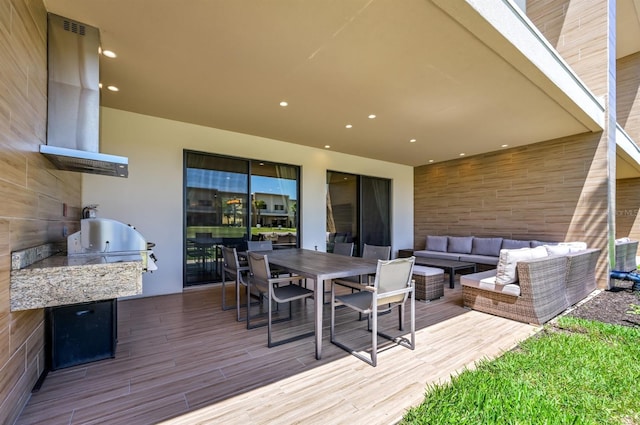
488 260
487 281
436 254
460 244
436 243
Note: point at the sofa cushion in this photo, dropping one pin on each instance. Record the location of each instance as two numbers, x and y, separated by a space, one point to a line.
437 254
515 244
574 246
506 271
460 244
489 260
535 244
486 246
487 280
557 249
436 243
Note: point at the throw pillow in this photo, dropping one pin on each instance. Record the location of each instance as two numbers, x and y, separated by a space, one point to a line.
506 272
436 243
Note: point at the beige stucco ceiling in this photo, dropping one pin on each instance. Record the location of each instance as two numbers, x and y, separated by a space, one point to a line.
227 64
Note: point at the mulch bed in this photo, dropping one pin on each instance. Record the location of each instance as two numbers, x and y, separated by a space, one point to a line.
611 306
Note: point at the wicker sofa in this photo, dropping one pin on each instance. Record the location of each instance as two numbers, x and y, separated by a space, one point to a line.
545 287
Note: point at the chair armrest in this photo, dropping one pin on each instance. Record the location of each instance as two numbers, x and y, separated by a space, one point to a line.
286 279
348 284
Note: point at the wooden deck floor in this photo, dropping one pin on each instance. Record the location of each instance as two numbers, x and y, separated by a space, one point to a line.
182 360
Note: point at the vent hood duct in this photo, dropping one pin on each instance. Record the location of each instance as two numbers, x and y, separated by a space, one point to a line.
73 124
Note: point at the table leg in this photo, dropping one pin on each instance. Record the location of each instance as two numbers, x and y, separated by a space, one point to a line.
319 298
452 277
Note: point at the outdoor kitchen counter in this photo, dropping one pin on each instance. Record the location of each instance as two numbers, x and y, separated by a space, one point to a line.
62 280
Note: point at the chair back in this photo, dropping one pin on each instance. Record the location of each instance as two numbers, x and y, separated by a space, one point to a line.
376 252
392 278
343 248
259 246
259 267
230 258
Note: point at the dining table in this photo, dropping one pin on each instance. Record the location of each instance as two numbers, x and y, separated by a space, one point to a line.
321 267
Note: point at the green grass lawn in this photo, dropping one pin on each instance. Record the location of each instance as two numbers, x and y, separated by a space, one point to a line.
576 372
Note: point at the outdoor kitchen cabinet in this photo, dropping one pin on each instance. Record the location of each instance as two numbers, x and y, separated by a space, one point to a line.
80 333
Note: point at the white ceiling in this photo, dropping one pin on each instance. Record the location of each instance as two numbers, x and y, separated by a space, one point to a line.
228 63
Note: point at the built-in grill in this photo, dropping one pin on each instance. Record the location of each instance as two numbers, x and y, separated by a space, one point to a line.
113 241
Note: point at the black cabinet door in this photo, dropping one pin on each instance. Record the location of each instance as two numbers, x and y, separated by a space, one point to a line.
80 333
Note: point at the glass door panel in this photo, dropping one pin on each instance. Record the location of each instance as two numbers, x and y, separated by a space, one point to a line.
342 209
274 202
216 212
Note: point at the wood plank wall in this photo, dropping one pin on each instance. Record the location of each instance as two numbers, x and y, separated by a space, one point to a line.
628 95
32 194
627 208
550 191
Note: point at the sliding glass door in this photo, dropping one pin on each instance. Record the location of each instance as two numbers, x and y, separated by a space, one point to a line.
358 210
228 201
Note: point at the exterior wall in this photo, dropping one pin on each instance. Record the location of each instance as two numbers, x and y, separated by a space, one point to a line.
584 36
628 212
31 211
578 31
628 95
551 191
151 198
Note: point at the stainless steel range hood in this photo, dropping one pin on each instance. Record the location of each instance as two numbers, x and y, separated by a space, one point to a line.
73 125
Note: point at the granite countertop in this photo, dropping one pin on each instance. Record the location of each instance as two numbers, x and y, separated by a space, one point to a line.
61 280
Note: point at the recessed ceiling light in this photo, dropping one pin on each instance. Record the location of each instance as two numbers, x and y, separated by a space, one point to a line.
431 160
100 85
109 54
112 88
327 146
372 116
504 146
462 154
348 126
284 103
412 141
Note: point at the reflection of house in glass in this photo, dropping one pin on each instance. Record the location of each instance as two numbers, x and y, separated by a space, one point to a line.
273 210
211 207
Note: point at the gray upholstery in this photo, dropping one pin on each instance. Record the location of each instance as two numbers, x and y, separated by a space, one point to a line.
486 246
515 244
489 260
436 243
437 254
460 244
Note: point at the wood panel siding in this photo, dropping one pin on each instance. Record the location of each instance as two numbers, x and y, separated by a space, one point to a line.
628 95
578 31
32 192
551 191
